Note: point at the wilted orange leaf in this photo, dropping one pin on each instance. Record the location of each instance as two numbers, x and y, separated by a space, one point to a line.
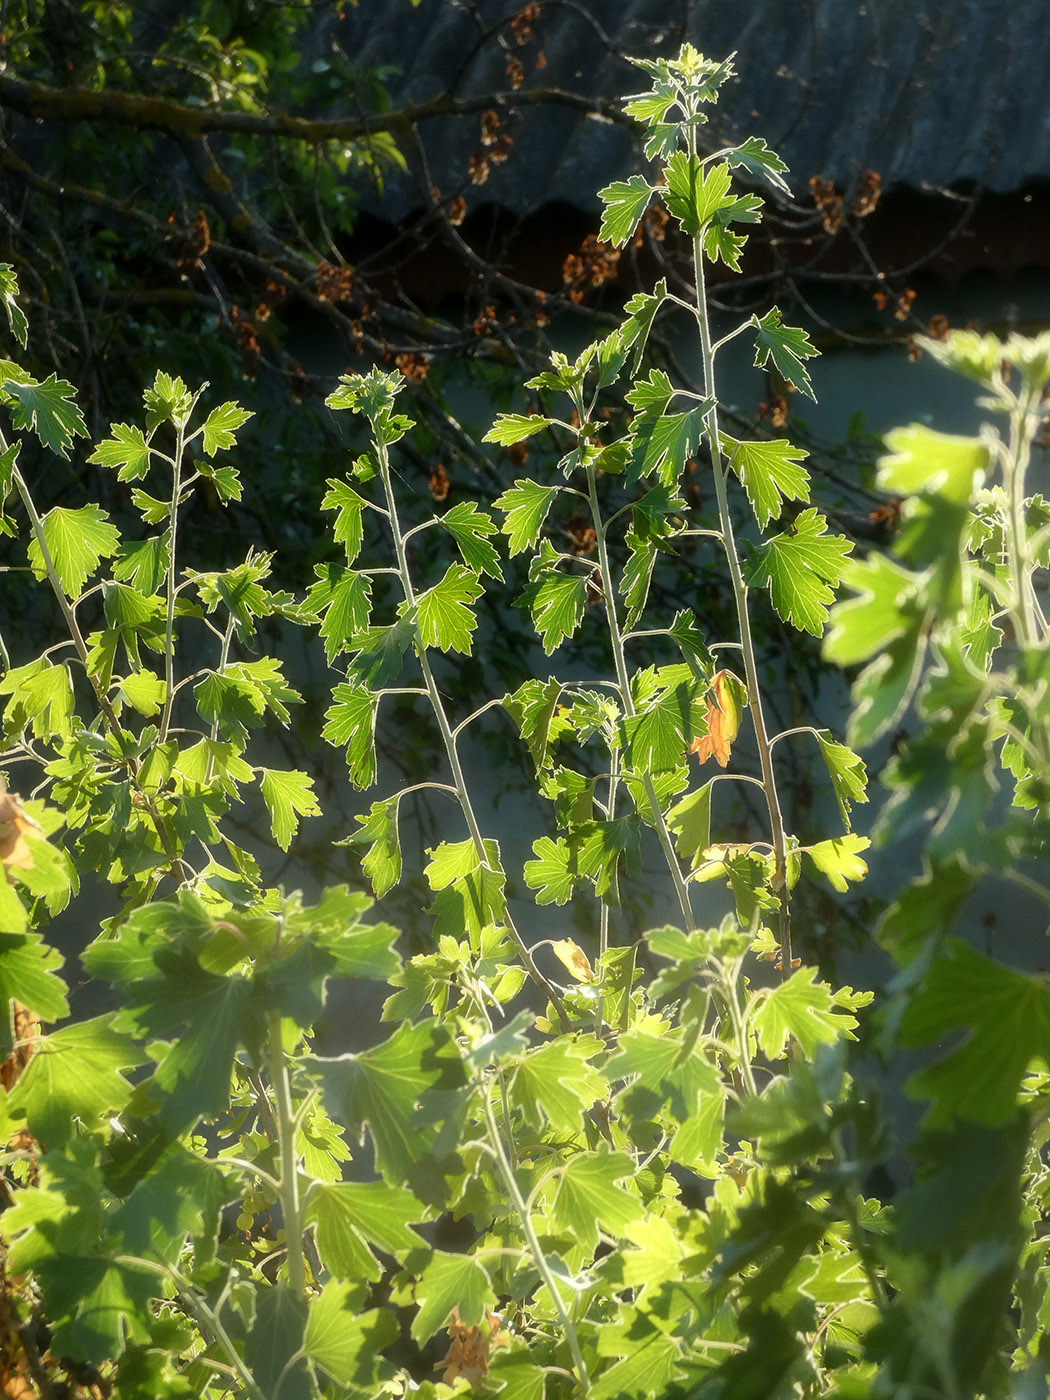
469 1349
723 719
573 959
14 849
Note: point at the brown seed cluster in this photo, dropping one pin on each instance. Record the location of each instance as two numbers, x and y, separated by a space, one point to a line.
595 263
196 243
413 365
832 207
334 284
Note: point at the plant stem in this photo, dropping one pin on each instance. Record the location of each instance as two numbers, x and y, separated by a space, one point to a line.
104 704
169 626
624 683
747 644
207 1320
448 738
1014 470
535 1248
285 1120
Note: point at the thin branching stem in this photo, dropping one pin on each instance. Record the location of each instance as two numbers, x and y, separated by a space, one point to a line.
776 821
448 738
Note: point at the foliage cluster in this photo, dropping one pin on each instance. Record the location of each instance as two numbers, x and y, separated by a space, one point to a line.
647 1170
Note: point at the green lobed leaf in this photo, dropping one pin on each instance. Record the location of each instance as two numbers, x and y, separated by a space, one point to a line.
273 1348
382 1089
801 568
588 1200
525 505
76 541
849 777
838 860
344 1342
125 606
74 1075
756 157
343 600
350 723
532 708
219 431
349 524
625 202
469 527
16 318
450 1281
1005 1015
444 614
166 399
769 473
514 427
381 652
609 848
694 193
690 820
556 1083
806 1009
49 409
28 976
662 445
288 796
41 699
651 395
787 347
556 602
379 831
127 449
144 691
553 874
656 737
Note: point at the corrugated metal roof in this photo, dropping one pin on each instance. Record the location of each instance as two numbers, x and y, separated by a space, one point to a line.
930 93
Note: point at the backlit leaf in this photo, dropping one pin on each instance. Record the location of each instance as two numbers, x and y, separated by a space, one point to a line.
1005 1017
288 796
525 505
76 541
848 775
787 347
350 723
75 1074
556 602
127 449
220 427
345 1342
450 1282
553 873
469 527
838 860
514 427
349 507
16 318
801 568
625 202
444 612
804 1008
588 1199
379 831
49 409
769 473
555 1082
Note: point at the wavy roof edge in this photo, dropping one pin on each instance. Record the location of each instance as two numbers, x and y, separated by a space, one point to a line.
932 94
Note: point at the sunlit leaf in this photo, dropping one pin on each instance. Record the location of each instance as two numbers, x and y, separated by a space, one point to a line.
801 568
76 541
288 796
